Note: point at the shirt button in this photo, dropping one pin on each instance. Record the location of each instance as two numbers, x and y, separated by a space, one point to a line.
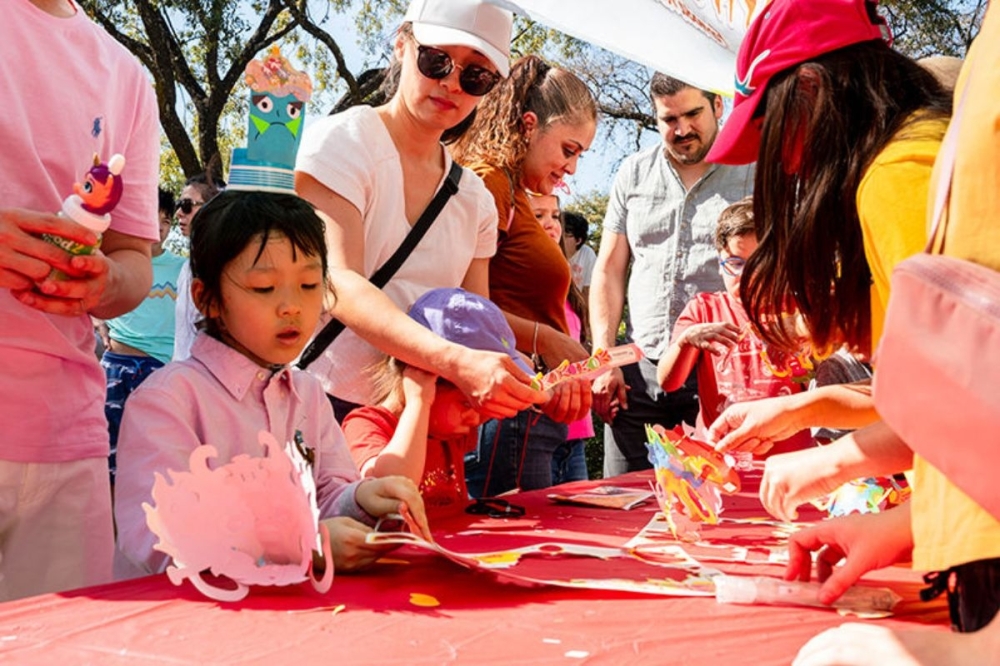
261 376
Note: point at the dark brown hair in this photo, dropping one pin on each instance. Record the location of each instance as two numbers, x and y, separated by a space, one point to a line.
735 220
846 106
662 85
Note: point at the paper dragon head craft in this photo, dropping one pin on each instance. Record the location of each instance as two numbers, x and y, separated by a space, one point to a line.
278 96
690 475
253 520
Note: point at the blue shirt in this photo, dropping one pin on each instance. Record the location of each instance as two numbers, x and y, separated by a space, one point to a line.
150 327
671 234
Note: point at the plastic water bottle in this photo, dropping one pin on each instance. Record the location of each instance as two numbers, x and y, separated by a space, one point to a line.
777 592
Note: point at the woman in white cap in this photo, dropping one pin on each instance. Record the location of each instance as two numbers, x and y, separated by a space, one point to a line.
372 171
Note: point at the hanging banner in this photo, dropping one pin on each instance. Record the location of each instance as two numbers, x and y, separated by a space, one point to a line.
692 40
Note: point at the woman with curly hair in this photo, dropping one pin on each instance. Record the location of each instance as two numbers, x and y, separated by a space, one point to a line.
528 134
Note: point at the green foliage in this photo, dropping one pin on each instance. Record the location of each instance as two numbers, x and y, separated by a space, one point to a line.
594 450
196 50
592 206
934 27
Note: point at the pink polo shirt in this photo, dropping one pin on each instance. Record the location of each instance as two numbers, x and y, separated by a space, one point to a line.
73 91
222 398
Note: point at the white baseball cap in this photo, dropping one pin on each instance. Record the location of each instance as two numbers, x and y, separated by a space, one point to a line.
473 23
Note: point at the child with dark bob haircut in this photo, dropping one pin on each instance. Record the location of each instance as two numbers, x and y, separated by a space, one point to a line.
259 277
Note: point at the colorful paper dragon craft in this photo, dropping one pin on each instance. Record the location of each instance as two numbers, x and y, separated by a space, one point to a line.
868 495
690 475
603 360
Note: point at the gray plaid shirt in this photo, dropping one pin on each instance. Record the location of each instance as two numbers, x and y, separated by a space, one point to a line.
671 233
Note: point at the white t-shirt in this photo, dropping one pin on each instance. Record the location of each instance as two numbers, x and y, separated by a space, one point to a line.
582 265
186 315
352 154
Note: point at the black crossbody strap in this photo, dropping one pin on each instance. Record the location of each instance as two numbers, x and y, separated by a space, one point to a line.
381 277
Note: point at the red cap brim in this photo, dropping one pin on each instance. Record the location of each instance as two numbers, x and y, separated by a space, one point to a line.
738 142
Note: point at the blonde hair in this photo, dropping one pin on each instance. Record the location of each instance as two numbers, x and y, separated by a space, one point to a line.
386 376
498 135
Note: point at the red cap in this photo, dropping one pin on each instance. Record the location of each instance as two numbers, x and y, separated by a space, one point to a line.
784 34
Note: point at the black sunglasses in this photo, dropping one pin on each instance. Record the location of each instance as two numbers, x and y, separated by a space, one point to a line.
187 205
436 64
494 507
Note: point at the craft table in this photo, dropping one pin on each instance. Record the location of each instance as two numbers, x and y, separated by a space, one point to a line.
370 618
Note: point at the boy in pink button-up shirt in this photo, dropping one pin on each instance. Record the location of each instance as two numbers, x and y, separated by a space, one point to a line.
259 267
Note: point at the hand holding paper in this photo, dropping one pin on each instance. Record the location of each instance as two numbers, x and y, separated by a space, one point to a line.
395 494
349 547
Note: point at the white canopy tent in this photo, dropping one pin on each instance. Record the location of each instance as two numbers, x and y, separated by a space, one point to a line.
692 40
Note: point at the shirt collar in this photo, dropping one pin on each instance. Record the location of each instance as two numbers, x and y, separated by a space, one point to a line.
232 369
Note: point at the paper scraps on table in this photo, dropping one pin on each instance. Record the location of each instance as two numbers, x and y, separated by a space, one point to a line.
725 542
602 361
608 497
253 520
668 571
423 600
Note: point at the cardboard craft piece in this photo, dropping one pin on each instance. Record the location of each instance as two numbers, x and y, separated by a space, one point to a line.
277 112
728 541
867 495
608 497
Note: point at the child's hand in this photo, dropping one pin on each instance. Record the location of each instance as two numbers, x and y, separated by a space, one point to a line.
348 547
418 385
394 494
570 401
755 426
864 542
714 337
794 478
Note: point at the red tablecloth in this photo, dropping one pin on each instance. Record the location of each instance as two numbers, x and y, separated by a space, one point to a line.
480 620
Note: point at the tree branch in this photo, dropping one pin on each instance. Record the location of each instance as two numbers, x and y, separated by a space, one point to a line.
139 49
299 11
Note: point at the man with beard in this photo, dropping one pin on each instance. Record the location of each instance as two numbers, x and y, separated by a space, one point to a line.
661 219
